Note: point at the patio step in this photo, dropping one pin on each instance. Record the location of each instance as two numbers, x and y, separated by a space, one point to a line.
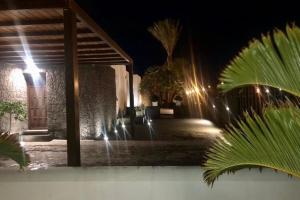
35 132
36 136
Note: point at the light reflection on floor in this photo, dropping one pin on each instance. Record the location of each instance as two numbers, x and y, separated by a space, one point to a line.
182 144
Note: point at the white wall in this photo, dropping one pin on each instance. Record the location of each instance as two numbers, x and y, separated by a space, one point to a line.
143 183
121 86
136 91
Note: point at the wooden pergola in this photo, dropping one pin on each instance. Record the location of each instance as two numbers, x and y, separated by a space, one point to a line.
58 32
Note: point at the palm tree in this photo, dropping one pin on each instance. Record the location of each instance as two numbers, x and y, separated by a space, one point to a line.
167 32
11 148
273 139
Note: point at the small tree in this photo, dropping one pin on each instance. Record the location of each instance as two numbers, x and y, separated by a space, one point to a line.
15 110
165 81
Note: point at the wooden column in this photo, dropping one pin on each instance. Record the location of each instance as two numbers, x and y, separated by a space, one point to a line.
129 68
72 88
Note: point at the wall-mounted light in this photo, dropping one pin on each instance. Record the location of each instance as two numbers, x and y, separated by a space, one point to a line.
31 68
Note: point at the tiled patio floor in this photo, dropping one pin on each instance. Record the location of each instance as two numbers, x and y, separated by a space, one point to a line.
187 144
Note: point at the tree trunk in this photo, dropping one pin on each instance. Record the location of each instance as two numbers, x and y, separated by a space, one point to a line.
10 119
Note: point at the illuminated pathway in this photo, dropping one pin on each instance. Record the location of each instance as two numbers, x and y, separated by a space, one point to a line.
186 145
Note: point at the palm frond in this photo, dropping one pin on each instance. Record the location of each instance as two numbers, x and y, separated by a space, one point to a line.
11 148
167 32
272 61
270 141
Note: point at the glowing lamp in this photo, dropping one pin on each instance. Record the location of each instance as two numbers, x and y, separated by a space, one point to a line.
257 90
227 108
105 138
31 67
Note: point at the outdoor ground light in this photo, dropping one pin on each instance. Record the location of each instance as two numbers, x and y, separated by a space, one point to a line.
22 144
105 138
214 106
123 126
257 90
227 108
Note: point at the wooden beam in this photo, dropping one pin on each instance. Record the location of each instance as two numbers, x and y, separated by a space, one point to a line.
17 41
57 53
40 37
86 19
20 23
40 33
72 88
60 55
61 59
32 4
38 47
129 68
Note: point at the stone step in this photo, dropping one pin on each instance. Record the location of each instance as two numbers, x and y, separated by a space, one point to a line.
36 138
35 132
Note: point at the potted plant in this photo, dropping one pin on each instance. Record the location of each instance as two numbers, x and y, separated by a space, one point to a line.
178 100
154 100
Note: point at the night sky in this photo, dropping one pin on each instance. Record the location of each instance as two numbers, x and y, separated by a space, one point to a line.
217 30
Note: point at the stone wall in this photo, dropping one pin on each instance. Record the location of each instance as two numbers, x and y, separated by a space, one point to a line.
12 88
56 98
97 98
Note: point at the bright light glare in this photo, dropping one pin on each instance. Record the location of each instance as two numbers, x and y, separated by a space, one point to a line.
205 122
227 108
116 131
214 106
31 67
257 90
105 138
22 144
149 123
267 91
123 126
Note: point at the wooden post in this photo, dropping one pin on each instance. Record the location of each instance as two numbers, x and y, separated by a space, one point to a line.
131 98
72 88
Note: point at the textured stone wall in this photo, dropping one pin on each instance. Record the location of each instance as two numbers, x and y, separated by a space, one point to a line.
97 98
12 88
56 108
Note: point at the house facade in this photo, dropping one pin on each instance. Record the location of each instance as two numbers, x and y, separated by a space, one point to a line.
103 94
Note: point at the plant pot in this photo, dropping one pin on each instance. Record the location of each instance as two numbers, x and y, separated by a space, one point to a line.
154 103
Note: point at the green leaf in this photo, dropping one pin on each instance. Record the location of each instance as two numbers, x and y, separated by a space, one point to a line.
11 148
270 141
272 61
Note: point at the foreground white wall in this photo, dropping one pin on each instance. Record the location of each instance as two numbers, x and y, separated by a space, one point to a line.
143 183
